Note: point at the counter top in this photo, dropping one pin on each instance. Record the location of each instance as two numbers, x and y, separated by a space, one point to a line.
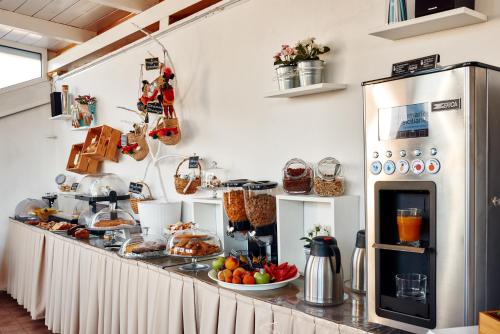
352 313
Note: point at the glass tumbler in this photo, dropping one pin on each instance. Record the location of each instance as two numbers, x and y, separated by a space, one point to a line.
409 226
412 286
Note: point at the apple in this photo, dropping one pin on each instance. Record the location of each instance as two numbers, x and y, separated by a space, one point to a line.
218 263
261 277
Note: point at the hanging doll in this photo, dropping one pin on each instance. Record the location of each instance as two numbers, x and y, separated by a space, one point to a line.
167 128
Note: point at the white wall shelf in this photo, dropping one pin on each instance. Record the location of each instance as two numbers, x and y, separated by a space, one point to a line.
296 214
62 117
307 90
455 18
208 214
82 128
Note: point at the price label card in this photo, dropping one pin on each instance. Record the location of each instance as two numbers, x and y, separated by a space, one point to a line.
135 188
154 108
152 64
123 140
194 161
415 65
74 186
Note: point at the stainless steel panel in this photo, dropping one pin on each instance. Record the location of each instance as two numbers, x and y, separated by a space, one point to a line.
448 131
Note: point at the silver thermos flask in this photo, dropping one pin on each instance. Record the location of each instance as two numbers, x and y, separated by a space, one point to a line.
358 264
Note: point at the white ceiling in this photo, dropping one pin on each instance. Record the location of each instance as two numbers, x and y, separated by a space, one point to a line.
76 13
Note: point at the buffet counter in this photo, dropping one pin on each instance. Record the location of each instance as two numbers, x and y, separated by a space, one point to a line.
82 288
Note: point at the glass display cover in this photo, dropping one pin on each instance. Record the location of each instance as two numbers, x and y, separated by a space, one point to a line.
411 121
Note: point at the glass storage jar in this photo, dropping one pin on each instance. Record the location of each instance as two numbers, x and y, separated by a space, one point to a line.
111 218
234 200
297 177
260 202
329 180
102 185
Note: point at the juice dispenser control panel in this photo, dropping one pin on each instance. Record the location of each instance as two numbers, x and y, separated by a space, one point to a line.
416 166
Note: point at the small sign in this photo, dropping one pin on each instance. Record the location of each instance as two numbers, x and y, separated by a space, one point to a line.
74 186
123 140
194 161
154 108
446 105
152 63
135 188
415 65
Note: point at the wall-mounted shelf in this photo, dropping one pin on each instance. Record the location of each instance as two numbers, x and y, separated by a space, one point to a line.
400 248
455 18
307 90
62 117
296 214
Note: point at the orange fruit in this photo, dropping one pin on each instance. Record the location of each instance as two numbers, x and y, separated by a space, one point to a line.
248 279
236 280
231 263
229 279
220 276
240 272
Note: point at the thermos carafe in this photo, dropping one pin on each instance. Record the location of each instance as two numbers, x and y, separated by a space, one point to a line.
358 269
323 278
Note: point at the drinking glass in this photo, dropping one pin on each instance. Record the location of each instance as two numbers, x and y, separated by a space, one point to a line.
412 286
409 226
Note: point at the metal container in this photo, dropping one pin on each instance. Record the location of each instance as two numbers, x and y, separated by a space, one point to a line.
323 278
287 77
358 263
310 72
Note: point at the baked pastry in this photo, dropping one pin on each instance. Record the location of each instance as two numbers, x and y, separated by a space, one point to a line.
189 246
112 223
61 226
82 233
179 226
45 225
145 247
72 230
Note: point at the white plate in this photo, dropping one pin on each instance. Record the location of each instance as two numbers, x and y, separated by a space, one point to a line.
251 287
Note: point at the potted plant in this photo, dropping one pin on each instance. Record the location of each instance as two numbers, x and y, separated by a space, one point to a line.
309 65
489 322
84 112
286 67
316 230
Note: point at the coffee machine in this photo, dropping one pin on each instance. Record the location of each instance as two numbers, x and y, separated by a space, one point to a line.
432 146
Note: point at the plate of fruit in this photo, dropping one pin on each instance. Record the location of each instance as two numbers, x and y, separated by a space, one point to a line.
228 273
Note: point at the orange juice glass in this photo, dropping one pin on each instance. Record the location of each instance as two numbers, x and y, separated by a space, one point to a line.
409 225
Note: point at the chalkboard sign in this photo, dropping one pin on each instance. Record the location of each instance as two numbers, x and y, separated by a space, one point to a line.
415 65
123 140
155 108
152 64
135 188
74 186
194 161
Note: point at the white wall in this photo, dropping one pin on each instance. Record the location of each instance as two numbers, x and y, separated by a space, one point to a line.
224 68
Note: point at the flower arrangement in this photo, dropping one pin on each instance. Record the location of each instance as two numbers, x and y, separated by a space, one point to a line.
85 99
308 49
286 56
316 230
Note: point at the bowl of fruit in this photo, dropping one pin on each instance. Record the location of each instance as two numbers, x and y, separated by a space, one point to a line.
229 273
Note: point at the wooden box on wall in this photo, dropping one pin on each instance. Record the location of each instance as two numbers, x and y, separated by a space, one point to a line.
102 143
78 163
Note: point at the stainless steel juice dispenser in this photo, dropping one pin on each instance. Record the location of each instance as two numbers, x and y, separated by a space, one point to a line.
432 145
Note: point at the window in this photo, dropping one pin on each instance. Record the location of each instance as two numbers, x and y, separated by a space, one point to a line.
18 66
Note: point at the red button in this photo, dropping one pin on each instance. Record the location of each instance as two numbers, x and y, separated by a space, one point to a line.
431 167
418 167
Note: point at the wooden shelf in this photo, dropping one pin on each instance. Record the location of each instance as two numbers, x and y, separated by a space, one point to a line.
307 90
455 18
62 117
400 248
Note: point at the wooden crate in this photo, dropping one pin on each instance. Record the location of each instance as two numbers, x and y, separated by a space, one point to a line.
488 323
102 143
78 163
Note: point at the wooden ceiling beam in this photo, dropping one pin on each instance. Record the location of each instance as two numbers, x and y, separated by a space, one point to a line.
45 28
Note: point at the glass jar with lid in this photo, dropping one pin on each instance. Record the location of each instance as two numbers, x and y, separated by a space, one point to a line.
329 180
195 244
213 177
260 202
111 218
144 246
297 177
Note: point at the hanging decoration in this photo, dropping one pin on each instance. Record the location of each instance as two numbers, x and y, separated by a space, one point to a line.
134 143
83 111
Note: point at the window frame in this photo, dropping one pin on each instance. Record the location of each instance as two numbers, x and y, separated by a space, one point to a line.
41 51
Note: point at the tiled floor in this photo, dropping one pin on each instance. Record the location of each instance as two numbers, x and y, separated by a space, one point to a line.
15 319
